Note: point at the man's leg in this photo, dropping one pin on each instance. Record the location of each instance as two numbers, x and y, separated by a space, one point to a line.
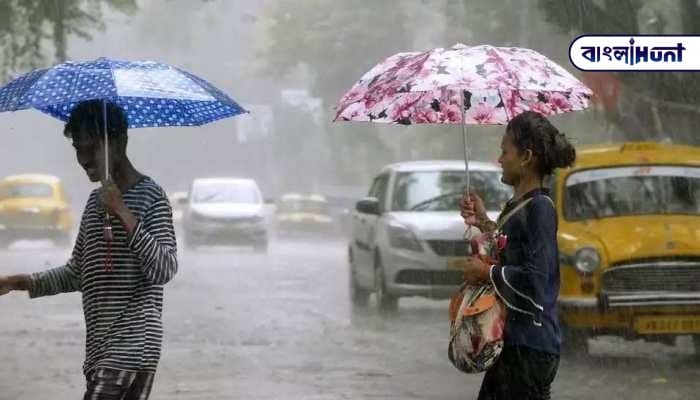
108 384
141 387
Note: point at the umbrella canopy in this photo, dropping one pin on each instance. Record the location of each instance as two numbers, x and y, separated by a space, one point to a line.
151 93
462 85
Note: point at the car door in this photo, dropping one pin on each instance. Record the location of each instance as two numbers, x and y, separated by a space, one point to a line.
359 237
367 226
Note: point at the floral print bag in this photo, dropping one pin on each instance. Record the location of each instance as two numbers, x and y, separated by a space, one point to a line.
477 314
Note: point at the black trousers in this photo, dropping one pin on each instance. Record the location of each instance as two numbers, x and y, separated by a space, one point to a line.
521 373
111 384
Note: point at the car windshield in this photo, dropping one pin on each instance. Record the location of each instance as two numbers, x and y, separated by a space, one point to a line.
25 190
226 193
304 206
414 188
642 190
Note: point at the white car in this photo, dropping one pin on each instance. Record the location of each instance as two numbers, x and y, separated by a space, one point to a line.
225 211
408 235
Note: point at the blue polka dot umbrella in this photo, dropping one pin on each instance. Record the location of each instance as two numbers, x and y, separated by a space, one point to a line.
152 94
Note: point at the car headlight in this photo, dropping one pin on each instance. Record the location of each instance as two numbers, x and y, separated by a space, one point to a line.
587 260
403 238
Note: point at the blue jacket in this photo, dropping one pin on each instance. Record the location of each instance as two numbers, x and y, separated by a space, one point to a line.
527 277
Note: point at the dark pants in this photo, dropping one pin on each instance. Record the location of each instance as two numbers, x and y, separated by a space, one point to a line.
112 384
521 373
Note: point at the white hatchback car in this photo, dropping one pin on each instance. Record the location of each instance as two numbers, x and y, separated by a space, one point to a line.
225 211
408 235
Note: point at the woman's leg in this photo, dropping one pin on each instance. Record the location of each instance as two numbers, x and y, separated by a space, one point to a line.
520 373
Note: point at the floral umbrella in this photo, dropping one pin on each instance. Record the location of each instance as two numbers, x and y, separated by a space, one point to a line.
462 85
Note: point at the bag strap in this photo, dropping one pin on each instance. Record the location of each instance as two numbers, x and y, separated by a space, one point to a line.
502 219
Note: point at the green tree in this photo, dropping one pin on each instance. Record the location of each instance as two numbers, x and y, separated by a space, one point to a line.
29 29
651 105
337 42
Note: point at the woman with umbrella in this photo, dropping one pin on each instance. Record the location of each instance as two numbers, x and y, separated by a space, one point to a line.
527 277
478 85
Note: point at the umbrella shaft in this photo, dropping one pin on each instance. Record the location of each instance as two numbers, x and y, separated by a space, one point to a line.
104 125
464 142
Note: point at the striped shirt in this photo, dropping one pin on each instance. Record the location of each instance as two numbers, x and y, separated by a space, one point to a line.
122 307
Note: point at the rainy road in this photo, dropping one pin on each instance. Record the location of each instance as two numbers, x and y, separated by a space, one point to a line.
240 325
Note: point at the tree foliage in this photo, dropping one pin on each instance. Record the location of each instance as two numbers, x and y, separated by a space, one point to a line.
30 29
651 105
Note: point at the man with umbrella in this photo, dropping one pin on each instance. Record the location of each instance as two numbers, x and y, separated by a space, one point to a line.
125 250
122 279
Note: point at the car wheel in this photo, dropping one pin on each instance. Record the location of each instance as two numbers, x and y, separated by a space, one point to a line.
358 295
385 300
574 342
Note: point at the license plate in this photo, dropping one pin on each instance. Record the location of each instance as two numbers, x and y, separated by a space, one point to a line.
673 324
456 263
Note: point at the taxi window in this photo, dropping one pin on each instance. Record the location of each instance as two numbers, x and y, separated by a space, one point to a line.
25 190
643 190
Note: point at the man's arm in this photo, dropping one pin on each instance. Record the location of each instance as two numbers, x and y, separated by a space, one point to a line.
63 279
152 238
153 241
13 282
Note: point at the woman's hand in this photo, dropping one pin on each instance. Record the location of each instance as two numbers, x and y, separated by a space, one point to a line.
476 271
473 210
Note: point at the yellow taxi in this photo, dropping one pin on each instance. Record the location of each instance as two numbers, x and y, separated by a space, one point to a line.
33 207
629 240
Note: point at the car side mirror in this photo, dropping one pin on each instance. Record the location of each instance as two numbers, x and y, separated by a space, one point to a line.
369 205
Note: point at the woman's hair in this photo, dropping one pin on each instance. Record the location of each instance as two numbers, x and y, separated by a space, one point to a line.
88 115
532 131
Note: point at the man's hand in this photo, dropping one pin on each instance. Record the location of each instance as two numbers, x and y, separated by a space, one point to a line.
113 203
112 198
5 286
10 283
476 271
